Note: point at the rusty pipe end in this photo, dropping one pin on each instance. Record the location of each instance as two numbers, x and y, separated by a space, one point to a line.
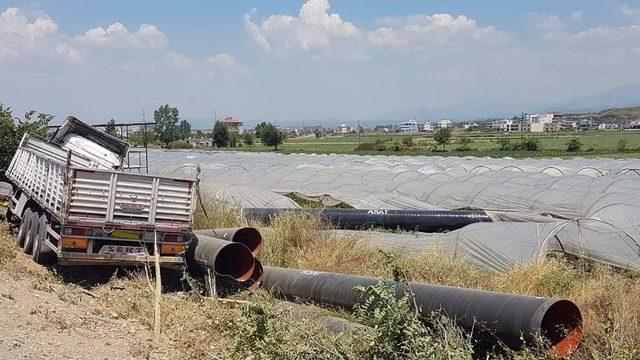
256 278
235 260
250 237
561 328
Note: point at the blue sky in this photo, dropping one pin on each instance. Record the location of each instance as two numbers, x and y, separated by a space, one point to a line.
314 62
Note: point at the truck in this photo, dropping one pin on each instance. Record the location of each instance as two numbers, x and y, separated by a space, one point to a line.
74 201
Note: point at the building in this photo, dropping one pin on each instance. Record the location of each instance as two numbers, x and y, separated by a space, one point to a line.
506 125
234 125
471 126
583 125
444 124
545 123
608 127
410 126
428 126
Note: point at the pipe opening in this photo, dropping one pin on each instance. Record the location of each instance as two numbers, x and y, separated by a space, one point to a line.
249 237
562 327
256 278
235 261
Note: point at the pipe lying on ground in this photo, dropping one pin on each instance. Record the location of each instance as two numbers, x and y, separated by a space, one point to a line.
355 219
504 316
227 259
248 236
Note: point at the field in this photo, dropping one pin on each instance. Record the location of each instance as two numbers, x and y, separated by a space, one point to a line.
593 144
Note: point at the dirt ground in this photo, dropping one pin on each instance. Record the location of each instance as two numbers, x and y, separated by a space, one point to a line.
44 317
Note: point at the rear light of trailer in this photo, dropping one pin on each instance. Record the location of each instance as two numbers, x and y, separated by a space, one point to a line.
74 242
75 231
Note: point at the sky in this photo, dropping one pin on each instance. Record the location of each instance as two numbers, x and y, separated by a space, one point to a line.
313 62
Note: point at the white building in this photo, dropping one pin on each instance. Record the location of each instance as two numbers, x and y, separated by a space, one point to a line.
428 126
506 125
471 126
607 127
444 124
344 128
410 126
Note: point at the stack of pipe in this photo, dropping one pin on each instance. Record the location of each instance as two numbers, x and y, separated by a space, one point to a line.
231 253
357 219
515 320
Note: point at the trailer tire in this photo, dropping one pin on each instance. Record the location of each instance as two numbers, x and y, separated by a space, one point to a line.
41 254
31 234
25 225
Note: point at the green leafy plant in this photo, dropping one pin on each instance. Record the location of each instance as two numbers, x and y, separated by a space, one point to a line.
574 145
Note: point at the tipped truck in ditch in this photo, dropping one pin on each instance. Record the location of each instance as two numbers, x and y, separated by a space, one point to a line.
76 202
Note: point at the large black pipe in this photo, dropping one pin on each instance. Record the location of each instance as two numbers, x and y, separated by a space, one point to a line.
228 259
248 236
356 219
509 317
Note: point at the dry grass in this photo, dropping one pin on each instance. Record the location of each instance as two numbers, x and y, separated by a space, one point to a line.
202 328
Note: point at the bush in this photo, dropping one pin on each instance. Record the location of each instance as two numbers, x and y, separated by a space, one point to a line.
464 142
179 144
234 139
529 144
248 139
396 146
367 146
622 145
574 145
504 143
407 141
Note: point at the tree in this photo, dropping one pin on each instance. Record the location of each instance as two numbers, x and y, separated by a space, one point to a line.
259 128
622 145
317 133
11 132
464 142
220 135
442 137
111 128
248 139
574 145
271 136
184 129
140 137
166 127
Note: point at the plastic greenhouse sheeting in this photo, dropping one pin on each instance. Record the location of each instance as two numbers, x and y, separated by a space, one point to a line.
527 190
499 246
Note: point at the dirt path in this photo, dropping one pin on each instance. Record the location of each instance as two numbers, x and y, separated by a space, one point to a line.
42 317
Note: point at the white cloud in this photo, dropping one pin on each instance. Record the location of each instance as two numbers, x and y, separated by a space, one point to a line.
313 29
577 15
428 32
36 43
117 35
629 12
18 35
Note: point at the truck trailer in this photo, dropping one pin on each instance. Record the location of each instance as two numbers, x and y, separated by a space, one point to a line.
75 202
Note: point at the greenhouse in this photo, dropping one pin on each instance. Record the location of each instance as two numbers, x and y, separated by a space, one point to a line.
583 207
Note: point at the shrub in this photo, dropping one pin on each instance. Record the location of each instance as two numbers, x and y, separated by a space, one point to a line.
622 145
529 144
396 146
504 143
179 144
407 141
248 139
367 146
574 145
464 142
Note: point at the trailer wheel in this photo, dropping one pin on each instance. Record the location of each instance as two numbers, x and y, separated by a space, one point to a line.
41 254
25 225
31 234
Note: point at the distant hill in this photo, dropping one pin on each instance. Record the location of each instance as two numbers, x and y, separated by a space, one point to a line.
625 112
